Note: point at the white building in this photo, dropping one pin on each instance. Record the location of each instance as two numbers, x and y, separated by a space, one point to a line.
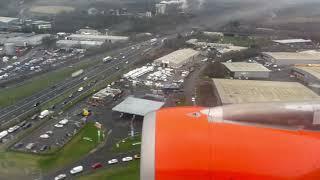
291 58
104 38
177 58
168 7
78 44
247 70
6 22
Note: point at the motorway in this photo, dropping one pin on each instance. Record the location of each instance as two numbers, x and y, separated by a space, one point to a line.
26 105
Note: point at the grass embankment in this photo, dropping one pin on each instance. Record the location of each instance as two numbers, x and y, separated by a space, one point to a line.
127 145
128 171
12 94
16 164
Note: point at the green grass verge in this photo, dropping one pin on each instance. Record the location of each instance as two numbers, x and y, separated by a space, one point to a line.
12 94
129 171
126 145
75 149
238 41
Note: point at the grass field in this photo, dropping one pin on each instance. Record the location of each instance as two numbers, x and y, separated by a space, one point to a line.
127 145
75 149
123 172
10 95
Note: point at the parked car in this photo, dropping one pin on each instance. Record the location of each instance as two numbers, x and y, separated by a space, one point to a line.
44 136
96 166
125 159
27 125
137 156
113 161
18 145
58 125
60 177
43 148
76 170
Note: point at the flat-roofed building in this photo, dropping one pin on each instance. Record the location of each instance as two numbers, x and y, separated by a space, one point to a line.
7 22
291 58
177 58
291 41
247 70
104 38
230 91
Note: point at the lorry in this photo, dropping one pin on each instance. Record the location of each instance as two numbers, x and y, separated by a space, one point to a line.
77 73
44 114
3 134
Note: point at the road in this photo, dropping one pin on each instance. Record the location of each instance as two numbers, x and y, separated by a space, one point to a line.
26 105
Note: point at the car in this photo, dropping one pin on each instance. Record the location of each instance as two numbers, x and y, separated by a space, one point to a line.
64 121
71 95
76 170
117 68
27 125
60 177
30 146
23 123
18 145
85 78
44 136
125 159
43 148
123 57
127 62
96 165
113 161
13 129
49 132
58 125
80 89
137 156
36 104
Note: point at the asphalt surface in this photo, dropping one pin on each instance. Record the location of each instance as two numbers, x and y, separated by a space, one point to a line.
26 105
60 137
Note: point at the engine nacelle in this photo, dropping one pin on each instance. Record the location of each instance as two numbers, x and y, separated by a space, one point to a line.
244 141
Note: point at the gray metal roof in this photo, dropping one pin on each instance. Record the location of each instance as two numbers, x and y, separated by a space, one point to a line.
137 106
243 66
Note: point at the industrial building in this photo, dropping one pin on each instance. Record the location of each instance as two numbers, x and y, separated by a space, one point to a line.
7 22
292 41
291 58
230 91
137 106
308 74
222 48
168 7
246 70
22 39
177 58
66 44
104 38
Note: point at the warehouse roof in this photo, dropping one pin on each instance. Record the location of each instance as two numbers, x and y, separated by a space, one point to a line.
7 19
289 41
178 56
243 66
246 91
313 70
294 55
88 36
137 106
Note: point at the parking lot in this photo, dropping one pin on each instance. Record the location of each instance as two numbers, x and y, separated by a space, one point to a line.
35 61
